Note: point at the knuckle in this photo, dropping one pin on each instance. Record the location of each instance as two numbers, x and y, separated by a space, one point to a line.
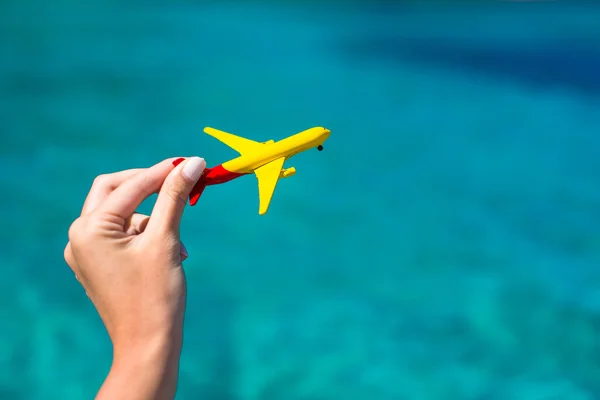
101 180
78 231
74 230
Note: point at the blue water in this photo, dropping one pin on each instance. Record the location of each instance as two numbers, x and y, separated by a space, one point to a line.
445 245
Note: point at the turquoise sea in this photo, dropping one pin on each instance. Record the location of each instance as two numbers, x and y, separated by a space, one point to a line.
444 245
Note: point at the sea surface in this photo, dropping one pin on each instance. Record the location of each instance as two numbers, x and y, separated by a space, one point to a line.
444 245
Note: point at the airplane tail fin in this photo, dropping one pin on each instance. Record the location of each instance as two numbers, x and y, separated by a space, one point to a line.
198 189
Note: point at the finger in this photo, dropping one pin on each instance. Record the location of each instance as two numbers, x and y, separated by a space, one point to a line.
136 224
172 198
183 251
125 199
103 185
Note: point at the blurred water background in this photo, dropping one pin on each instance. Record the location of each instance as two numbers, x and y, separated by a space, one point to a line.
445 245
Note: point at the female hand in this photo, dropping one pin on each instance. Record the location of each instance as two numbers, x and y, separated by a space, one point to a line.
130 266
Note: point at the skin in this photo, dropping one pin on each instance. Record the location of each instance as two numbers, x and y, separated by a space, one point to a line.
130 266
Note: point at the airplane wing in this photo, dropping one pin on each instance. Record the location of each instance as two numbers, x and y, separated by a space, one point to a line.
268 176
237 143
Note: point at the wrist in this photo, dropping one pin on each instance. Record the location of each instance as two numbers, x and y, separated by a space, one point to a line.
143 337
157 349
146 369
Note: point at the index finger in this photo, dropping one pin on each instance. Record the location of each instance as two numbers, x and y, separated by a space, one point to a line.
126 198
103 185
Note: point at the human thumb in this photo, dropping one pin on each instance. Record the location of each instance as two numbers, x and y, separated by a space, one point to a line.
173 195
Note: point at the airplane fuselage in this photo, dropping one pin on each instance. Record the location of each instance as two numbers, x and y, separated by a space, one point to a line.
248 163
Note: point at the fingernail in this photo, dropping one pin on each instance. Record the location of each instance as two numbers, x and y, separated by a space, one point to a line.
178 161
184 252
193 168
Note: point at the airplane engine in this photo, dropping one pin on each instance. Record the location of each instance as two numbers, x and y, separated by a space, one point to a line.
286 173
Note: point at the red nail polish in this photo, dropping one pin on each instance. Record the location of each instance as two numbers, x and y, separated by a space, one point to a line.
178 161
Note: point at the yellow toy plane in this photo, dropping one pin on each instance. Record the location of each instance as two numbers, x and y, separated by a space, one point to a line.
265 160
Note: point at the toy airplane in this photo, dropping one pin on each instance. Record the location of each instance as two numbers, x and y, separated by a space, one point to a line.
265 160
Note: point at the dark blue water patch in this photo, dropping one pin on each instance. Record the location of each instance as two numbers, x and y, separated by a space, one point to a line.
8 393
570 64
